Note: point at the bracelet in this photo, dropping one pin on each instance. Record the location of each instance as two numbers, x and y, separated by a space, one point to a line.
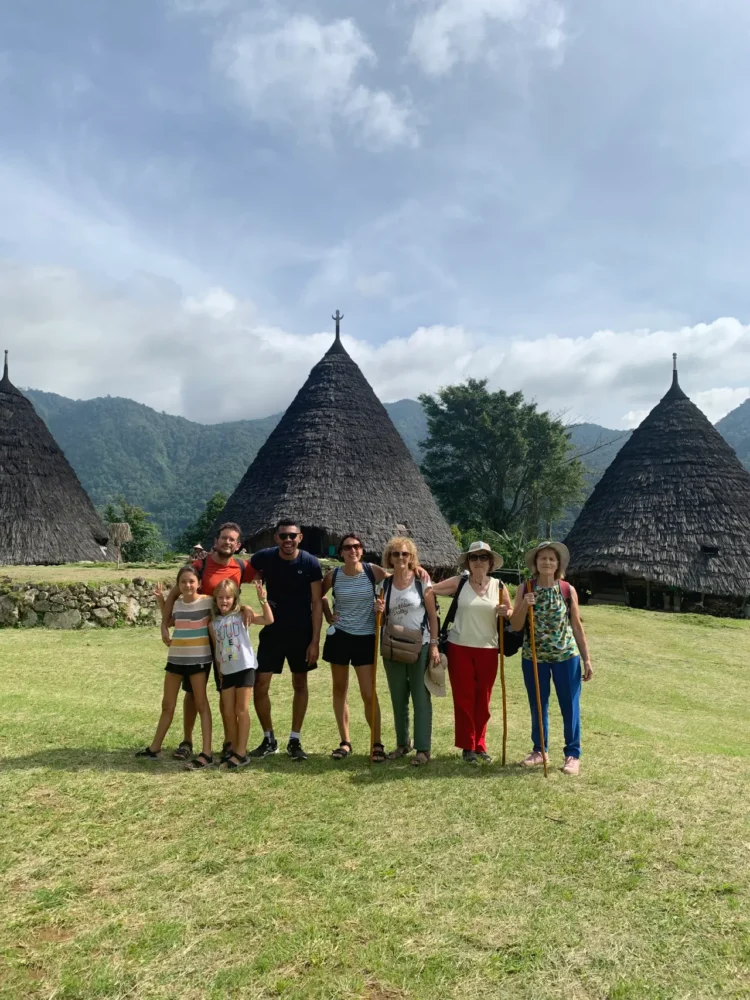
434 642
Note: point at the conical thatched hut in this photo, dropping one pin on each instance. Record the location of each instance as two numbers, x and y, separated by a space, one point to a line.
46 516
336 462
670 518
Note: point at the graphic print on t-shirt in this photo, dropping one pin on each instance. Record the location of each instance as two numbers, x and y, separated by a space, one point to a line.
228 639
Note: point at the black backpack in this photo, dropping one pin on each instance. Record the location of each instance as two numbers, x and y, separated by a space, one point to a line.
512 640
368 570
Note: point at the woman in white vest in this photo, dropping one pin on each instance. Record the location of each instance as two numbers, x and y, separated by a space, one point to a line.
483 605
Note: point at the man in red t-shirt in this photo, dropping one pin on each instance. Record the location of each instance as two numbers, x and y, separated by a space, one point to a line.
220 564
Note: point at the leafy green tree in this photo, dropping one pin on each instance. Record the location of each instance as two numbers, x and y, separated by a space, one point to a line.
197 531
493 461
147 544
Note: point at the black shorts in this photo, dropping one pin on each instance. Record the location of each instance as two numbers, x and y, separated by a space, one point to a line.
186 687
239 679
344 648
277 643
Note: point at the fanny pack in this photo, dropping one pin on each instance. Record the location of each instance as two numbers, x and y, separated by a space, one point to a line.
404 645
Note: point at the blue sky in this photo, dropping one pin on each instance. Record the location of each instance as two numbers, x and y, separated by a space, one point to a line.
548 193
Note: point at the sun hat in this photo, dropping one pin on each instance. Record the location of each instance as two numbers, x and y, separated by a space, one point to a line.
480 547
562 554
434 677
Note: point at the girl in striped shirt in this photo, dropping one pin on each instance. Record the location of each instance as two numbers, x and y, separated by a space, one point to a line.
189 656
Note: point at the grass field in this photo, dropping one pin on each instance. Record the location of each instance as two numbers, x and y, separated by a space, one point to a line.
90 572
122 879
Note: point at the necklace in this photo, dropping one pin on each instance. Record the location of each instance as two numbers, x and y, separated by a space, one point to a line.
480 589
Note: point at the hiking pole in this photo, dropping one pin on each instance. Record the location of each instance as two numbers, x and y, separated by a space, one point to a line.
378 617
501 636
536 686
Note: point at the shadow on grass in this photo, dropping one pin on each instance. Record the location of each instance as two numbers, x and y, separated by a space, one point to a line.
357 769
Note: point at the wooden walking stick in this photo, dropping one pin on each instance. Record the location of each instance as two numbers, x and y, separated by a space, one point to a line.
536 686
501 639
378 617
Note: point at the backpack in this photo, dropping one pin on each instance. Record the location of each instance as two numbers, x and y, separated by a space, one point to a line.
368 570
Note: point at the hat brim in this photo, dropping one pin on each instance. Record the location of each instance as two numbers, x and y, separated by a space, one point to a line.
562 554
497 559
438 690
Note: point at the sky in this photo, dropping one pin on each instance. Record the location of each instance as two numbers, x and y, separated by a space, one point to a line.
550 194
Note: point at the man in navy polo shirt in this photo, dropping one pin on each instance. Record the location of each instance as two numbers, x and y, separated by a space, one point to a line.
293 579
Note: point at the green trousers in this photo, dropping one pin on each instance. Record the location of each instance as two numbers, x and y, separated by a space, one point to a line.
406 679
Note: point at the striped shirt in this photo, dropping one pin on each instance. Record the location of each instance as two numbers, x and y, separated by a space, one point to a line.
191 645
355 611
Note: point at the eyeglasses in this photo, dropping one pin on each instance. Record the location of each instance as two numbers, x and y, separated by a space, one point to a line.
482 557
400 555
348 548
288 536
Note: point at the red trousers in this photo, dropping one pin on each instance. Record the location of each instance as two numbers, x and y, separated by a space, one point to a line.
472 672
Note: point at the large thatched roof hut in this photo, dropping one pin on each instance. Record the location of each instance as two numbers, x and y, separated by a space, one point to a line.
670 516
336 462
46 516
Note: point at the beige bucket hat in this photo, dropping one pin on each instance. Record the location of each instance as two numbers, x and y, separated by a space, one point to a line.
497 559
434 677
562 554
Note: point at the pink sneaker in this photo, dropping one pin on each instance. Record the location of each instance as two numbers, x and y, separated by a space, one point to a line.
572 765
535 759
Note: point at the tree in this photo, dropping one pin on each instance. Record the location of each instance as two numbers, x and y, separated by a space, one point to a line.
493 461
147 544
197 531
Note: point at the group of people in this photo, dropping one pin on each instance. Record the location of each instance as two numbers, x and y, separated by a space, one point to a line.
210 633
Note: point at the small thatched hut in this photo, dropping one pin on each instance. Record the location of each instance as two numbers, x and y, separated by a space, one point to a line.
46 516
670 518
336 462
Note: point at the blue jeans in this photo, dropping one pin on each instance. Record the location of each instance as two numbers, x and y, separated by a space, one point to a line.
567 680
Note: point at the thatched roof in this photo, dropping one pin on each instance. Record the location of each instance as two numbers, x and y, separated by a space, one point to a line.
672 508
336 462
46 516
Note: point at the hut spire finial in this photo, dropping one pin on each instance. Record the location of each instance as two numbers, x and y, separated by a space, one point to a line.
5 368
337 317
674 371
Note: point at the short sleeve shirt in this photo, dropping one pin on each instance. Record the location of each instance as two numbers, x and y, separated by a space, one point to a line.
191 645
288 582
213 573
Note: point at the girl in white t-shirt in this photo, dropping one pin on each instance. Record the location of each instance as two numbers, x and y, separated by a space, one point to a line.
236 664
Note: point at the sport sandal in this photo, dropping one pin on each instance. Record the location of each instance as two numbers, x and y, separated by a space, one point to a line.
342 750
200 762
378 753
184 751
421 757
401 751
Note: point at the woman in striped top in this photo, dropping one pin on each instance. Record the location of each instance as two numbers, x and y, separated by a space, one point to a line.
351 637
189 656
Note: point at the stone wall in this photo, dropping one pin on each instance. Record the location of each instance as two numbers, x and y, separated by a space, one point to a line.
77 605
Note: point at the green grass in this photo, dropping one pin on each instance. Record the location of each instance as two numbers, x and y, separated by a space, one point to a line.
90 572
329 880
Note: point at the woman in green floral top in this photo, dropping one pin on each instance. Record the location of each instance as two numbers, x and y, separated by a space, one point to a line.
560 646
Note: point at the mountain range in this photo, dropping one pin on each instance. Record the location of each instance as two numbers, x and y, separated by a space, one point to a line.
171 466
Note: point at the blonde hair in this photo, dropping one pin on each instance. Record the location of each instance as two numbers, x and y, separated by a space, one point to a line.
401 544
559 573
226 586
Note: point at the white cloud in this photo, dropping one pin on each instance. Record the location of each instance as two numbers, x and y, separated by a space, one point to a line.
299 71
182 353
456 31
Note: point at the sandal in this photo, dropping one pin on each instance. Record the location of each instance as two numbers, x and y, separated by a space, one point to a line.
148 753
421 758
342 750
401 751
234 761
184 751
378 753
226 753
201 761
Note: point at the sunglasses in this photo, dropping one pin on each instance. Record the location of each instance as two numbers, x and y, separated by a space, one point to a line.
483 557
288 536
348 548
400 555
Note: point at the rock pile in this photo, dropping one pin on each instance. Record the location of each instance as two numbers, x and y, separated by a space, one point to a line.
77 605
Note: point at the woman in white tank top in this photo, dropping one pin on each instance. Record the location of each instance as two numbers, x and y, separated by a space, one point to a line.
483 604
